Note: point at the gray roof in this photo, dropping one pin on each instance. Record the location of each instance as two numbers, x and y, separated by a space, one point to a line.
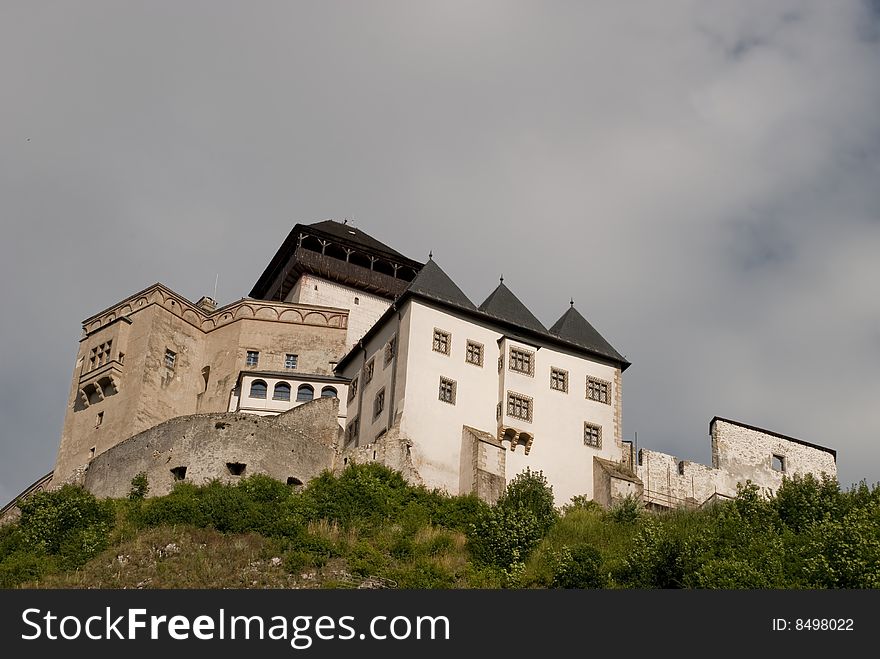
433 283
573 327
503 304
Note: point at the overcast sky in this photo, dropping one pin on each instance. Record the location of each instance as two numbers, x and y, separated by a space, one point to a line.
703 178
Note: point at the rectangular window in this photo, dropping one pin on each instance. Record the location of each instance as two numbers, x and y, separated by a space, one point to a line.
598 390
447 390
379 403
368 371
252 359
389 350
93 359
519 406
99 420
778 463
522 361
352 390
352 429
290 360
498 411
474 354
442 341
559 379
592 435
170 358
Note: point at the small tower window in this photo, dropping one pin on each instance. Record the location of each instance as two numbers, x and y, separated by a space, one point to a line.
179 473
357 301
290 360
236 468
99 419
170 358
253 358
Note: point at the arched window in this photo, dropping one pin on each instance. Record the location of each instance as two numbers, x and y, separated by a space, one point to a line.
305 393
281 392
258 389
329 392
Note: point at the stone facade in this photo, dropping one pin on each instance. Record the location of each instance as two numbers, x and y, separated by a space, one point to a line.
156 356
740 453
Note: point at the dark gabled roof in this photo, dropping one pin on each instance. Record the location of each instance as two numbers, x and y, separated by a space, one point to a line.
351 234
573 327
433 283
772 433
503 304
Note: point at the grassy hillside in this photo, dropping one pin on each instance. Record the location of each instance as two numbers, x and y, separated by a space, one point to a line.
367 528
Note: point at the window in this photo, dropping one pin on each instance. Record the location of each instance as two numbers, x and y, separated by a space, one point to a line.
592 435
305 393
442 340
368 371
258 389
500 363
99 420
170 358
121 357
290 360
498 411
379 403
778 463
253 358
519 406
559 379
293 480
352 430
236 468
598 390
329 392
92 452
357 301
178 473
447 390
389 350
522 361
352 390
474 354
281 391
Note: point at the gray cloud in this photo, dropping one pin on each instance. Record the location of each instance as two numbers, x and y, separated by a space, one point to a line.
701 178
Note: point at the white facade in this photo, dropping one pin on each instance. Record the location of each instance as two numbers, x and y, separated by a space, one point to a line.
441 446
364 309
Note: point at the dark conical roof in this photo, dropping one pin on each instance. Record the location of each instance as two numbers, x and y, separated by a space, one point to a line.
572 326
503 304
433 283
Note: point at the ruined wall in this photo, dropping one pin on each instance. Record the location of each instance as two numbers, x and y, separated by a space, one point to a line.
747 452
670 482
296 445
391 449
740 453
483 465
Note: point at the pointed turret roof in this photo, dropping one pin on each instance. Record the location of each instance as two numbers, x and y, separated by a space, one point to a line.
573 327
503 304
433 283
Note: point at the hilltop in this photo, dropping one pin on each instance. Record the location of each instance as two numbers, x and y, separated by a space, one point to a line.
368 528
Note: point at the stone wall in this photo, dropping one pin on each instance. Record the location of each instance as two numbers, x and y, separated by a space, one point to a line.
740 453
292 447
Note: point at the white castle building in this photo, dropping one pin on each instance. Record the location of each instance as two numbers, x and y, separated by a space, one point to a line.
346 350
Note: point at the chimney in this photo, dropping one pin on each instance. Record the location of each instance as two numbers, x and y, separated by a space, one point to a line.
207 304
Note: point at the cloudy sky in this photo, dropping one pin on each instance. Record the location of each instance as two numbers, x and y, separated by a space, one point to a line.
703 178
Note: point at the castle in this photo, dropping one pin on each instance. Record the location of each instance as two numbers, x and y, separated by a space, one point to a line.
346 350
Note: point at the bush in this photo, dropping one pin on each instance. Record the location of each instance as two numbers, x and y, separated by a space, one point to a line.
579 567
139 487
506 534
69 523
627 511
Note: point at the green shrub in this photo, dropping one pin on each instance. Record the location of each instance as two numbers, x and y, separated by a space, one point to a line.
69 522
579 567
140 486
